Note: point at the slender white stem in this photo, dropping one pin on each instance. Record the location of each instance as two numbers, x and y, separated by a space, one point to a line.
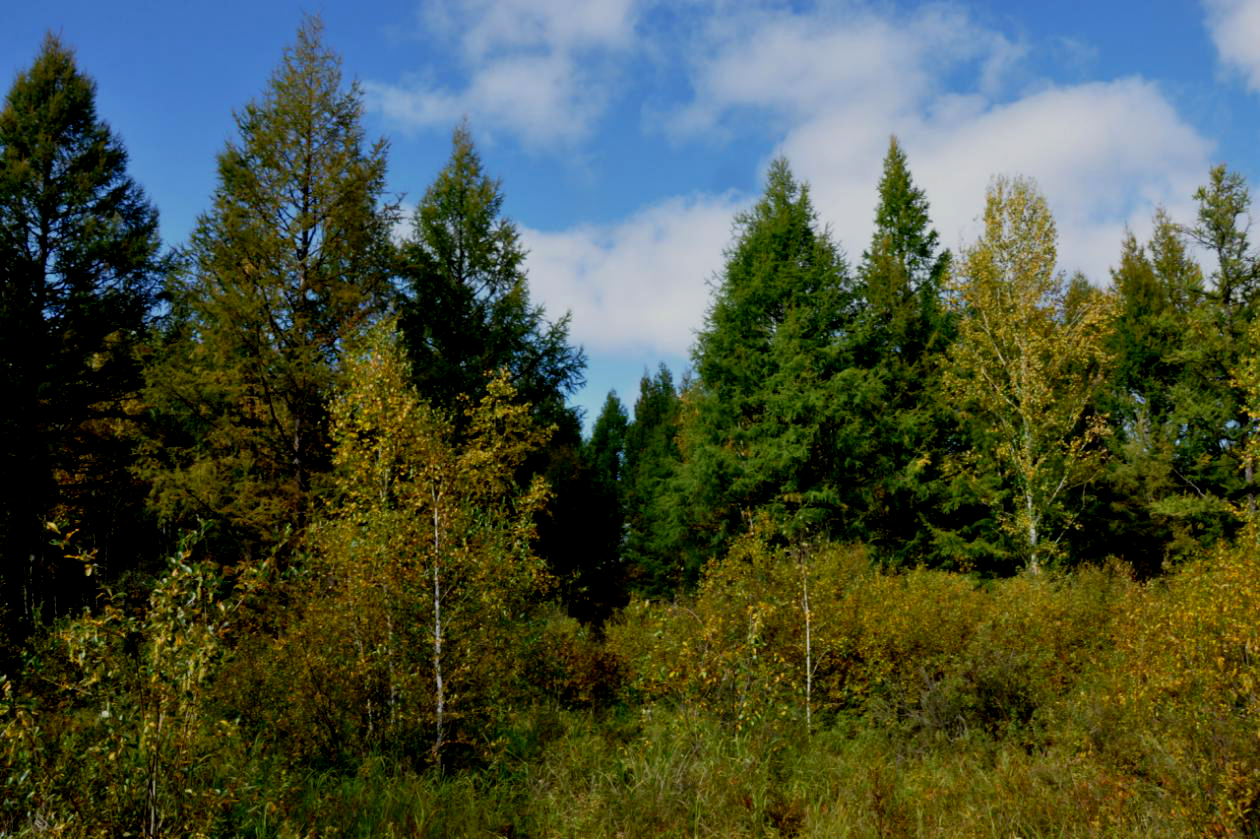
437 624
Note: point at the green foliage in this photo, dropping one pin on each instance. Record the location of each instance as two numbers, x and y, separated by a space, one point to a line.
292 259
651 462
1160 497
421 575
467 311
369 648
760 426
598 516
78 268
117 735
1177 703
902 425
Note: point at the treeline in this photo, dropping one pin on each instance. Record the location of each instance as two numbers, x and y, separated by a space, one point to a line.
978 412
296 503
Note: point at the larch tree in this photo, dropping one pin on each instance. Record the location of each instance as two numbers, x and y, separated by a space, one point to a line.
292 258
79 266
1029 361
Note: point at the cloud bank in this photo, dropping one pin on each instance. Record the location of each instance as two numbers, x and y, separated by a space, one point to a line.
829 85
1235 29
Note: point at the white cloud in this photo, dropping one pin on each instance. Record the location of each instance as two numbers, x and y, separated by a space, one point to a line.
832 84
1104 153
1235 29
799 66
542 69
640 285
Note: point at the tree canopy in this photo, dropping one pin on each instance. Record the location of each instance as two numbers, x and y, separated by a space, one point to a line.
79 268
292 259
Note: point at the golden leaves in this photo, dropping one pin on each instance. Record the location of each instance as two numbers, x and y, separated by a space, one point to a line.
1030 357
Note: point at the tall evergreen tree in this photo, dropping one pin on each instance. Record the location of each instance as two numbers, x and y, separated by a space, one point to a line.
762 430
651 463
1224 218
1147 508
79 265
903 330
293 257
599 584
467 311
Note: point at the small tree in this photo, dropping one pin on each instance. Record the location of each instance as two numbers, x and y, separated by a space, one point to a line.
428 544
1029 360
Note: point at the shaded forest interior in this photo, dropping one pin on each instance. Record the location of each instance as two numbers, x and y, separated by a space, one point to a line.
299 534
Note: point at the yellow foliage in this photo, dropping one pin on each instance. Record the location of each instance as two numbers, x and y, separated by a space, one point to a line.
1028 361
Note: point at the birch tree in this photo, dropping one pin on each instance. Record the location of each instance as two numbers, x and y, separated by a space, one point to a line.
429 545
1028 362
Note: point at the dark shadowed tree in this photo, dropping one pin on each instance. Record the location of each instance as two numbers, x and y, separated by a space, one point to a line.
79 265
467 311
651 463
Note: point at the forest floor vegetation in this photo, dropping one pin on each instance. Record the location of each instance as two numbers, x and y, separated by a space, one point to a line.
1058 704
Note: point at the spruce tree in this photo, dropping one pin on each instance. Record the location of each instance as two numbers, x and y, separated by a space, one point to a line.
292 258
1144 509
467 312
652 460
902 332
599 585
79 264
1223 335
763 428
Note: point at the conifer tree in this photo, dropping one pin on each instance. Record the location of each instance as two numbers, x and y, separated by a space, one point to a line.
292 258
763 425
902 332
652 460
1223 337
1146 508
79 264
467 312
599 585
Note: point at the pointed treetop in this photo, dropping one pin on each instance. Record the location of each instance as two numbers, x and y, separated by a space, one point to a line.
903 230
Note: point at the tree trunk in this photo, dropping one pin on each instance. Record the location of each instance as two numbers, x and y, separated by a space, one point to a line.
437 630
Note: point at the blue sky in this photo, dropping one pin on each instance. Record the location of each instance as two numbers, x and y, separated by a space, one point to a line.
628 133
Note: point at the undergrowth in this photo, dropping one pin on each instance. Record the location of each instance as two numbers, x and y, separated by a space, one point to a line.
1074 704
